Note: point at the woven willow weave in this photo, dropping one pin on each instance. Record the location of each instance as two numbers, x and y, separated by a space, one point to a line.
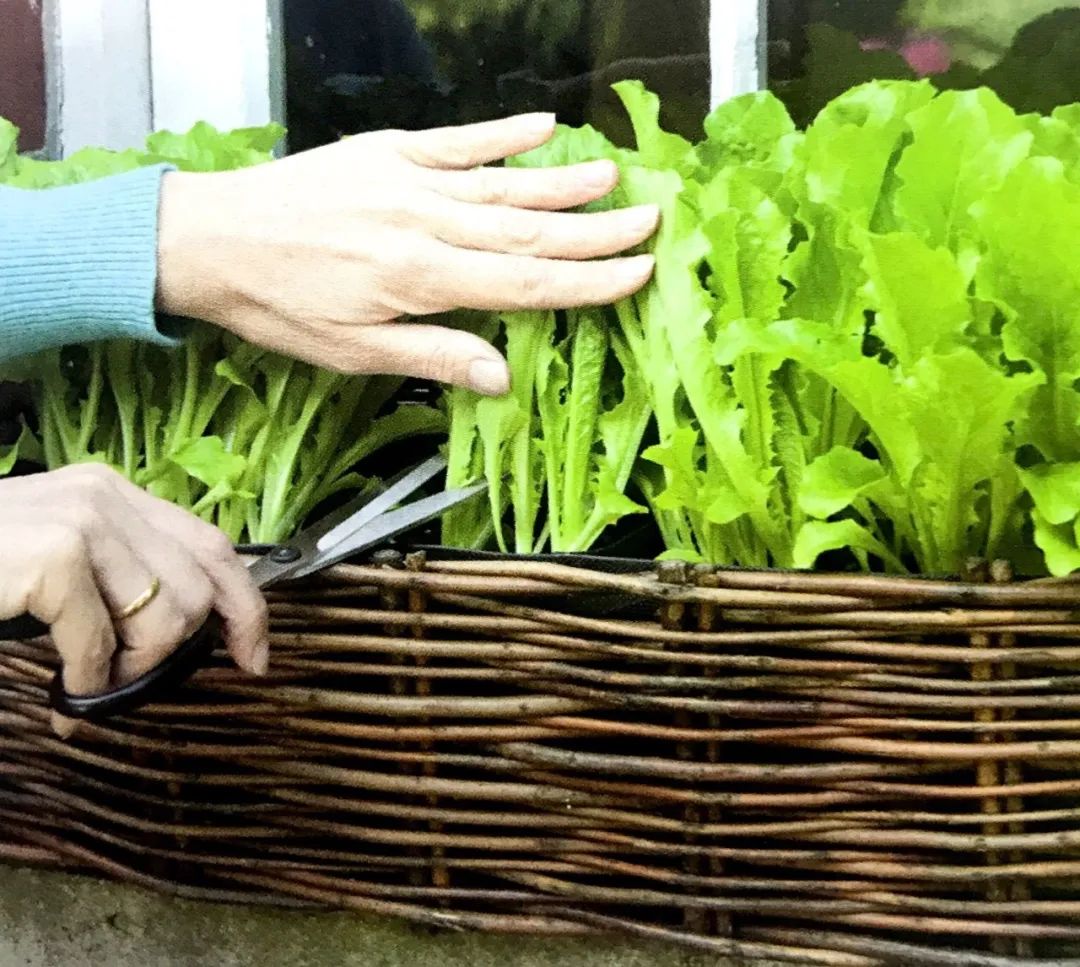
841 770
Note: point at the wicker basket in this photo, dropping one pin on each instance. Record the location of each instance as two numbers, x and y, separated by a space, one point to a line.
841 770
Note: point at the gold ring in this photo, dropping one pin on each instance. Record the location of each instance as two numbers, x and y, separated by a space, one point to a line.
142 600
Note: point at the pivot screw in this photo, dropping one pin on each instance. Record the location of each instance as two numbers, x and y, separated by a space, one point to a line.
285 554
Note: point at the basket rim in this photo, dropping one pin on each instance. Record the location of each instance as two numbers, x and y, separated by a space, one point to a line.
611 564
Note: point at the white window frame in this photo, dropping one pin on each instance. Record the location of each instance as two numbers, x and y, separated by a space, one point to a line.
97 74
119 69
233 80
738 31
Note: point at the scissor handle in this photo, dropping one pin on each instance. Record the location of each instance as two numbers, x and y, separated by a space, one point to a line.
162 678
23 628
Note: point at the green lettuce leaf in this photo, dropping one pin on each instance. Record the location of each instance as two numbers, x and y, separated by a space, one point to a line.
834 481
964 145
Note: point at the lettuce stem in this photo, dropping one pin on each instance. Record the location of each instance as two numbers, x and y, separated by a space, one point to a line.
91 409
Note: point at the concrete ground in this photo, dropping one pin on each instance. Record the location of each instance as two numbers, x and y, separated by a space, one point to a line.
59 920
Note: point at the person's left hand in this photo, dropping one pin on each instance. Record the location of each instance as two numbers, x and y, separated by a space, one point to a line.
319 255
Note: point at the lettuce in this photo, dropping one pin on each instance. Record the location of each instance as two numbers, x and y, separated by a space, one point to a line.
861 340
860 349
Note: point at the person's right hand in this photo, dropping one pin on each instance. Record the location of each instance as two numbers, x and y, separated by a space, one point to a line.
321 255
82 543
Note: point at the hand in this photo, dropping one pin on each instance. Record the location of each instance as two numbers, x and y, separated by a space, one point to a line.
82 543
316 256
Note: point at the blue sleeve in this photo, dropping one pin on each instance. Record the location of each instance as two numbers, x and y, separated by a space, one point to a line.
79 263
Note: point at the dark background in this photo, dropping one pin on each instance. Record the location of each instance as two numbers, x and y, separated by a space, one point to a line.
360 65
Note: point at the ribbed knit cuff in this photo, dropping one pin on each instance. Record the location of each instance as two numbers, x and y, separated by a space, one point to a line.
79 263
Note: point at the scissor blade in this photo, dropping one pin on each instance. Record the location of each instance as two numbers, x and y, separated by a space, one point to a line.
309 537
390 525
390 497
266 571
270 568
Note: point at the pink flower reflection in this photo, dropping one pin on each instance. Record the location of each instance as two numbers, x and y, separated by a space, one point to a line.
926 53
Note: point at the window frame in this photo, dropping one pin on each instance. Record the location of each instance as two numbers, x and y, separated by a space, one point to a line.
97 74
738 38
237 79
118 69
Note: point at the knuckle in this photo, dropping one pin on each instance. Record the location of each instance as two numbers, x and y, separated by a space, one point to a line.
439 363
165 627
89 488
455 153
93 477
97 471
186 623
64 548
94 480
217 546
421 255
532 284
398 259
61 563
82 515
96 652
253 619
197 597
522 233
407 261
492 188
399 206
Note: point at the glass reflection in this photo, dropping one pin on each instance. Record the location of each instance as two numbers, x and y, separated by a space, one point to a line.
361 65
1026 50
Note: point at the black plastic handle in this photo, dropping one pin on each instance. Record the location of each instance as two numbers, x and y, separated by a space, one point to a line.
163 678
22 628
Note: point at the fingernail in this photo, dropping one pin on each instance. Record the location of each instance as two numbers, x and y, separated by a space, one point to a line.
489 377
639 266
541 123
63 727
260 661
601 174
646 216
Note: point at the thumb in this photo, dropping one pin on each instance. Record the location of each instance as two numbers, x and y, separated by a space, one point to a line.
426 352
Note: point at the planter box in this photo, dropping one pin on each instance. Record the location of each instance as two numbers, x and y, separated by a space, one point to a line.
841 770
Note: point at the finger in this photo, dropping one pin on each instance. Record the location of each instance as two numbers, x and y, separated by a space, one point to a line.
67 598
424 352
245 613
129 558
469 145
237 600
549 189
452 277
84 638
54 582
156 629
234 595
553 235
64 727
136 517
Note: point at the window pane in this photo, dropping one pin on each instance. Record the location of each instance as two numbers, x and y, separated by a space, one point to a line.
1026 50
22 71
361 65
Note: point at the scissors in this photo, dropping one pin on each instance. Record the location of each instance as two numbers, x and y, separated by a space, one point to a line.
365 522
